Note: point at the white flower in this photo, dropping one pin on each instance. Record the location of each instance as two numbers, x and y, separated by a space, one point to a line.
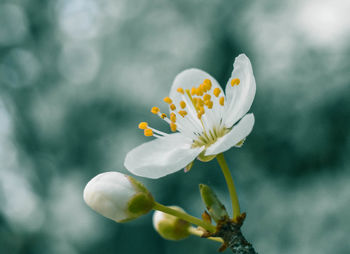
117 196
208 121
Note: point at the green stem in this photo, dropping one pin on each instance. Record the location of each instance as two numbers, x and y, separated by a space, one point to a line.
230 185
185 216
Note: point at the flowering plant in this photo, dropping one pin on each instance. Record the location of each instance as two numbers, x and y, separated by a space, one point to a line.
206 122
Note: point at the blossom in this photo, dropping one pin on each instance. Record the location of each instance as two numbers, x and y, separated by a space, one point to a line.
117 196
206 121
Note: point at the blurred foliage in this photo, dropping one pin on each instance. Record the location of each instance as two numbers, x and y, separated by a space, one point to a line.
76 77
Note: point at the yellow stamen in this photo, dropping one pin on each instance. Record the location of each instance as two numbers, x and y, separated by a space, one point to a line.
182 113
202 88
199 91
155 110
168 100
200 103
182 104
206 97
143 125
173 117
222 101
163 115
195 101
209 103
235 81
148 132
173 127
217 91
172 107
180 90
193 91
207 84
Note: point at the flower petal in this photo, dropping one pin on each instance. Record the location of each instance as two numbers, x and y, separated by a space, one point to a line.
161 156
188 79
238 133
239 97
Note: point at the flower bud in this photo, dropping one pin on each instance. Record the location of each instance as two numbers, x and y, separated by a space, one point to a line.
169 226
117 196
215 208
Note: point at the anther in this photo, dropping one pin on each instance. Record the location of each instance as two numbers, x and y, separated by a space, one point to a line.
206 97
222 100
173 127
217 91
148 132
182 104
172 107
173 117
193 91
163 115
155 110
202 88
143 125
207 84
180 90
209 104
183 113
235 81
168 100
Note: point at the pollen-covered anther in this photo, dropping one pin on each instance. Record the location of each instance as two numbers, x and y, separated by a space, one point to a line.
207 84
217 92
155 110
209 104
235 81
173 117
222 101
172 107
173 126
163 115
203 88
168 100
193 91
148 132
180 90
199 103
143 125
199 91
200 112
206 97
182 113
182 104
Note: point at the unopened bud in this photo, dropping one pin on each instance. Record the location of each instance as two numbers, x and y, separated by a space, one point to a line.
117 196
169 226
215 208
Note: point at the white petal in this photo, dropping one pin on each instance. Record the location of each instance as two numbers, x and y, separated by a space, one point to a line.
161 156
108 194
186 80
238 132
239 97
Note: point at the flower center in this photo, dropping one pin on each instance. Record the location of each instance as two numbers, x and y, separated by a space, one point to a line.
196 113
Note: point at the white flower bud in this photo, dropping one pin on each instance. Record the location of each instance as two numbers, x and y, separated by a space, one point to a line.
117 196
169 226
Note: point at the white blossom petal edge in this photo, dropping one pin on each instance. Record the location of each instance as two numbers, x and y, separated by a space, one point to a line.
207 121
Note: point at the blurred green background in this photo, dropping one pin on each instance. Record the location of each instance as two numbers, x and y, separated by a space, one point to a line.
77 76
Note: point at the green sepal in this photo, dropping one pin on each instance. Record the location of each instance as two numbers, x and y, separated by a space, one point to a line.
214 206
